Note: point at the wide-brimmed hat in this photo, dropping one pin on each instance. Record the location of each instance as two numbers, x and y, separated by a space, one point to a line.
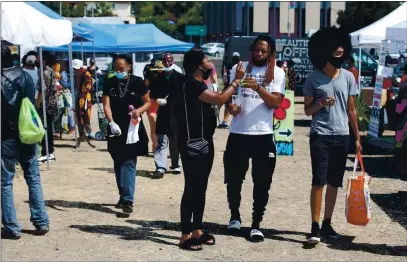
77 64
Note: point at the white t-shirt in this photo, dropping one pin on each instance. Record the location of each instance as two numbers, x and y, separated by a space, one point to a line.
255 117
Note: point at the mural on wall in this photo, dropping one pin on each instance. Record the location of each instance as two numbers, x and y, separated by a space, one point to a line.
284 125
296 50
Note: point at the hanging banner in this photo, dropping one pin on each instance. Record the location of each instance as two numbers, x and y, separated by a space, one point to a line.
382 72
284 125
376 106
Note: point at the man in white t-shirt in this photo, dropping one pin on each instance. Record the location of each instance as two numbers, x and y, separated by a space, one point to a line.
251 132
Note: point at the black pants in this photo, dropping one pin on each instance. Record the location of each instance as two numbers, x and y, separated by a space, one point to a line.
239 149
50 133
196 173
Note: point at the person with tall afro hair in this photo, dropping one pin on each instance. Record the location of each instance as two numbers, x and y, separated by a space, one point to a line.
329 97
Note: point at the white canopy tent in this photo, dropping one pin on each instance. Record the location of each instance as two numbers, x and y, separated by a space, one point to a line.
397 32
23 25
372 35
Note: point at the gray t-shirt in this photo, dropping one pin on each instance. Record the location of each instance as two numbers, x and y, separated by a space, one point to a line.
331 120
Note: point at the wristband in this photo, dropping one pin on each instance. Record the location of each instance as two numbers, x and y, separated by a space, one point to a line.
234 81
258 88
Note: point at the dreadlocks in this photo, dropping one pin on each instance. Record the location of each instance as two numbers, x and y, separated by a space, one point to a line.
271 60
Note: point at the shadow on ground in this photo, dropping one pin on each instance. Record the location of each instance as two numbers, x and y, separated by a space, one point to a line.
218 229
61 204
139 173
379 167
394 205
129 233
302 123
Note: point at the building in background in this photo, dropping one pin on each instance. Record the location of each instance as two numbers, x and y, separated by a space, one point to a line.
123 10
295 19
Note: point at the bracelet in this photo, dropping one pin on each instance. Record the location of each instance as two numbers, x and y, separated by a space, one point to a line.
258 88
234 81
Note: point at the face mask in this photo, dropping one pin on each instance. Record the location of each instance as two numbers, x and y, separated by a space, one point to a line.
120 75
336 61
206 73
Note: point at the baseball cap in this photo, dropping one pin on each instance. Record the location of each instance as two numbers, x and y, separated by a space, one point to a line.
235 54
77 64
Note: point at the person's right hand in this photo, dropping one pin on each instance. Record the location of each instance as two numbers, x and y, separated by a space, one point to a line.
327 101
240 71
115 129
234 110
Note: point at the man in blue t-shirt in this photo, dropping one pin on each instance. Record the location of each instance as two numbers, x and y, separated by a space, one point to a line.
330 99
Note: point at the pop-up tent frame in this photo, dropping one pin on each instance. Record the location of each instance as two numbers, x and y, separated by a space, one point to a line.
80 34
23 25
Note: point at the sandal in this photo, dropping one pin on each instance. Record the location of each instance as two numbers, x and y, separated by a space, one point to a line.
190 244
205 238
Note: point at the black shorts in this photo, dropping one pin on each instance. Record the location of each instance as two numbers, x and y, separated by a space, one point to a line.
328 158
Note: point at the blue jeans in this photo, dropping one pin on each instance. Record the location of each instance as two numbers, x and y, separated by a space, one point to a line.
126 178
12 151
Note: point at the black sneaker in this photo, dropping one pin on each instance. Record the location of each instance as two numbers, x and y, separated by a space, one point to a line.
157 175
119 204
42 230
327 232
5 234
223 125
314 238
127 207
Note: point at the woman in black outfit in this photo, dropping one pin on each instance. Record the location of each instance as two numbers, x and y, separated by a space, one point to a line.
196 123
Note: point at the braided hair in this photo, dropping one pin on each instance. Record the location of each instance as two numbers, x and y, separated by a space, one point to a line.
271 60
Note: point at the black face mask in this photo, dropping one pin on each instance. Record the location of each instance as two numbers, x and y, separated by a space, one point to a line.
336 61
206 73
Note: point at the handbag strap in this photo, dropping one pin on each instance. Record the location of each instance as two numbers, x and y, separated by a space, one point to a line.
186 113
358 159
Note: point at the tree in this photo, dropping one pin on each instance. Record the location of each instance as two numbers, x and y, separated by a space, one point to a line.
169 17
103 9
68 9
358 15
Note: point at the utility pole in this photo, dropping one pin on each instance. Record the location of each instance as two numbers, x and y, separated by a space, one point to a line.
60 8
93 7
84 10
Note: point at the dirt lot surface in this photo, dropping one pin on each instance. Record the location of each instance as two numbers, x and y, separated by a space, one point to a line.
80 193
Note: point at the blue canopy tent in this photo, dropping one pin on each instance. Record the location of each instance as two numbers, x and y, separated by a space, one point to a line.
128 38
79 34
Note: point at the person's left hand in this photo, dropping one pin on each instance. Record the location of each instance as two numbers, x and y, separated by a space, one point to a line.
250 83
136 113
358 147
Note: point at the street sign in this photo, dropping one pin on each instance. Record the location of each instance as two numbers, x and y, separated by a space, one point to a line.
199 30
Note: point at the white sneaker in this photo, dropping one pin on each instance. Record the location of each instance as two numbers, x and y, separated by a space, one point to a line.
256 235
176 170
234 225
43 159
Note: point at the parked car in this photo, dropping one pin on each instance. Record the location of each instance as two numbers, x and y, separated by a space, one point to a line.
214 49
398 71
